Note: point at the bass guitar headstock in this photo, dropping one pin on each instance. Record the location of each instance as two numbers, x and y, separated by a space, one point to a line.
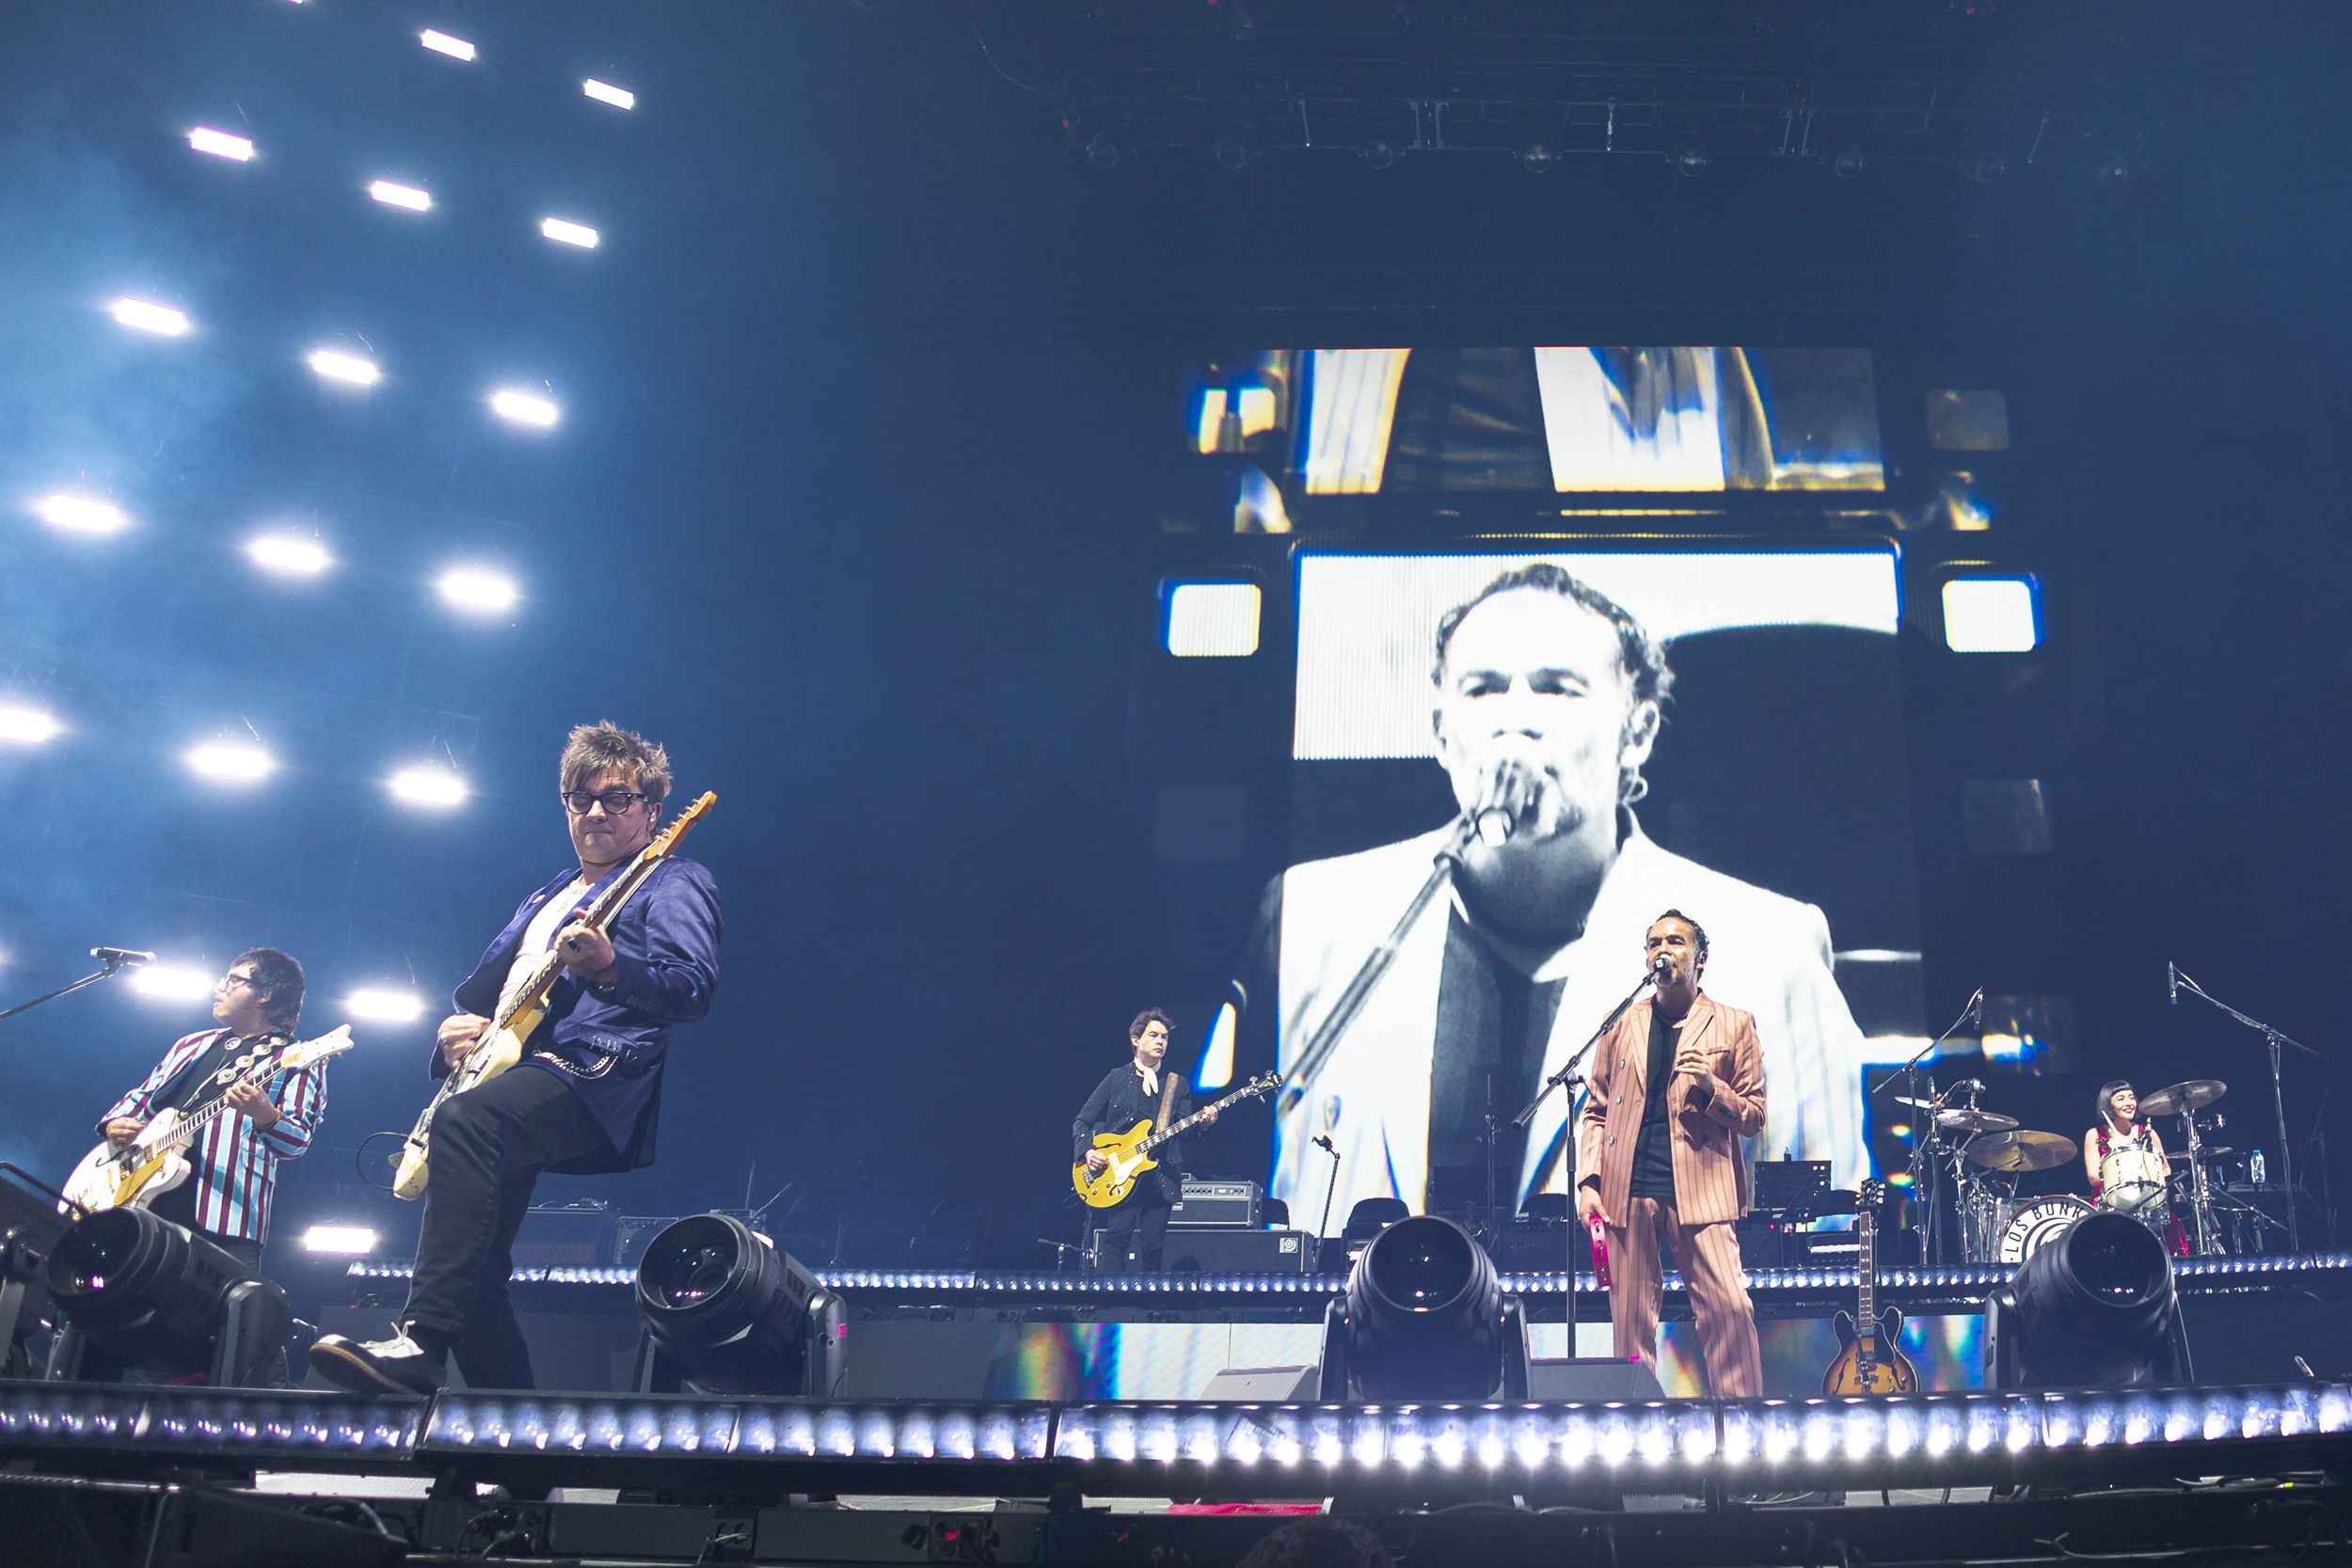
1262 1085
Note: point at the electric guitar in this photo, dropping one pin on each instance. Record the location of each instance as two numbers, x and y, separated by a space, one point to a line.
500 1046
1871 1363
156 1161
1131 1151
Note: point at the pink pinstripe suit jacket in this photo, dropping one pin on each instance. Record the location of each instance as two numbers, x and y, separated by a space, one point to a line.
1710 1178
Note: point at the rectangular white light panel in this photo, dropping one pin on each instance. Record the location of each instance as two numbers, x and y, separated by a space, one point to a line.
150 318
402 196
220 144
569 233
79 514
524 408
344 1241
478 592
346 367
172 982
385 1007
1992 615
428 785
1213 620
441 43
221 760
27 726
605 92
300 557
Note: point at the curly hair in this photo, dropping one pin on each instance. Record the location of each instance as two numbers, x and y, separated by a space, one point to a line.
279 976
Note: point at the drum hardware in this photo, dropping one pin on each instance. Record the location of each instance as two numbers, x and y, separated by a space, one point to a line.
1925 1172
2185 1099
2274 1040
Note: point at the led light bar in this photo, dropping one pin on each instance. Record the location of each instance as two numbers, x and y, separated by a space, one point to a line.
402 196
25 726
605 92
569 233
150 318
80 514
441 43
243 764
220 144
477 592
346 367
524 407
427 785
287 1426
172 982
288 556
383 1007
345 1240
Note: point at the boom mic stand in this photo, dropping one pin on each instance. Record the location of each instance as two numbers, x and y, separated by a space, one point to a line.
1923 1150
116 960
2277 1091
1569 1079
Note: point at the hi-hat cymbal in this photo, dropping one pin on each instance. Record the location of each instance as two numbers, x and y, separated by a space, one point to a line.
1975 1121
2194 1095
2224 1152
2021 1151
1915 1103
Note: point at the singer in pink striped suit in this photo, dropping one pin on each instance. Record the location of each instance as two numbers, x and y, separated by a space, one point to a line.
1674 1087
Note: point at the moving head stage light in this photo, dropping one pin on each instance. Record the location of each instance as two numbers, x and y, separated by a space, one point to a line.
1424 1318
727 1313
2094 1306
162 1299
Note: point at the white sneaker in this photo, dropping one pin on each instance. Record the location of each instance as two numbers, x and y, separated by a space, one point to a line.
399 1365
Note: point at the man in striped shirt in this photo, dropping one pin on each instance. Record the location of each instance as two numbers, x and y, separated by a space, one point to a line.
233 1162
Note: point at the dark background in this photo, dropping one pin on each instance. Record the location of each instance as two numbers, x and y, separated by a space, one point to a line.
870 467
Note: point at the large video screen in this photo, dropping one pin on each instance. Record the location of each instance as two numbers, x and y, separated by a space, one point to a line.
1358 421
1714 729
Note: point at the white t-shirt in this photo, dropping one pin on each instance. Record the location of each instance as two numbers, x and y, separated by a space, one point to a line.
538 936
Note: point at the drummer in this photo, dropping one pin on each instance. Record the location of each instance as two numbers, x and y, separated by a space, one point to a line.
2118 1131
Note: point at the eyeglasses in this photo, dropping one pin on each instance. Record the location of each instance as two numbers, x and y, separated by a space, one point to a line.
615 800
229 982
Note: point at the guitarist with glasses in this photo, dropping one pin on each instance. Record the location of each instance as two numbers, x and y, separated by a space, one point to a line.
234 1163
585 1094
1136 1232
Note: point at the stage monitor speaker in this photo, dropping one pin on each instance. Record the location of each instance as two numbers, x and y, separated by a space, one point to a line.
1238 1252
1264 1384
1592 1377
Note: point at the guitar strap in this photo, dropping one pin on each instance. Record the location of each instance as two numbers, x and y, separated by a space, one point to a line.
213 1058
1168 1100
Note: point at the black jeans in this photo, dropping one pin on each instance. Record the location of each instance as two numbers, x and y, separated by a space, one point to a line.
1135 1234
489 1145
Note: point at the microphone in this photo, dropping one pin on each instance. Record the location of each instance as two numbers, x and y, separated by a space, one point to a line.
1974 1085
1509 788
2172 983
1662 964
1323 1141
1975 1008
114 956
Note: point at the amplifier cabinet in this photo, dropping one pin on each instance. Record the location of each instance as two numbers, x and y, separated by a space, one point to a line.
1239 1252
1226 1202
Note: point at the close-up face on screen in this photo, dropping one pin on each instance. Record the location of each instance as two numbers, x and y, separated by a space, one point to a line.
1712 730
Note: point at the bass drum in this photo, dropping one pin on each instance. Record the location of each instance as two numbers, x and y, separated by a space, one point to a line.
2032 1225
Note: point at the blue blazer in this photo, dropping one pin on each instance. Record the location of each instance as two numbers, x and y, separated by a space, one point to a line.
609 1042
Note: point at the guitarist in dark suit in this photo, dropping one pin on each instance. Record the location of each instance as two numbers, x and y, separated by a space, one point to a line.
1134 1232
585 1096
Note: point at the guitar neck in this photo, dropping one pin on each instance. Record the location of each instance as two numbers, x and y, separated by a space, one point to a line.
190 1126
1866 1266
1158 1138
599 915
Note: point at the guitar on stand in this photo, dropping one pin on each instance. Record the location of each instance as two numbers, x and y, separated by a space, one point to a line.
1129 1151
1871 1363
502 1045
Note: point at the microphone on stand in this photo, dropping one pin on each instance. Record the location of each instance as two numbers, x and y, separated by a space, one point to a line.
1662 964
2172 983
113 955
1509 789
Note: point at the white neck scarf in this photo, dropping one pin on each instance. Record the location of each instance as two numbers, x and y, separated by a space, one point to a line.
1151 1080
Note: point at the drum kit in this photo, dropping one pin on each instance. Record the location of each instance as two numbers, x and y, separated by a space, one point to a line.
1987 1153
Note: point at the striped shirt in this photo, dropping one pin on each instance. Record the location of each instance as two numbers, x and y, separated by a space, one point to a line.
236 1164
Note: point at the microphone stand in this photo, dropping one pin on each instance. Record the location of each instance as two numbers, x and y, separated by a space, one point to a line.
1923 1150
1326 1039
2278 1092
113 967
1330 1186
1569 1078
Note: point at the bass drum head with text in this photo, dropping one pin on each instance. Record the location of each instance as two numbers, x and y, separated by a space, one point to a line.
2035 1224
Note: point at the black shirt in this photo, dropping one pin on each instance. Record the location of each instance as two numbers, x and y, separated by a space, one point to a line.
1117 1102
1653 1154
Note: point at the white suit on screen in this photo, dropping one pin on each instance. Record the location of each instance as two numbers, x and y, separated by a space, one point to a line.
1768 955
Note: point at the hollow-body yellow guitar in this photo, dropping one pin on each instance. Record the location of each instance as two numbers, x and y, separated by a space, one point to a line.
156 1161
1131 1151
500 1046
1869 1363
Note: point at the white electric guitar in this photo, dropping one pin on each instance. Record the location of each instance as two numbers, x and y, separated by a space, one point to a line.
156 1161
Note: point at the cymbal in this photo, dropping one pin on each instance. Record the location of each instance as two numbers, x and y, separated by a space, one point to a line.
1915 1103
2022 1151
1975 1121
2194 1095
2222 1154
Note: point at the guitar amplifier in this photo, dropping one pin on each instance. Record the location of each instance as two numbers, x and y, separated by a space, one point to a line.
1219 1201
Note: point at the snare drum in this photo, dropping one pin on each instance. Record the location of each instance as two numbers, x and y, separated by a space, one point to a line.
2033 1225
2133 1182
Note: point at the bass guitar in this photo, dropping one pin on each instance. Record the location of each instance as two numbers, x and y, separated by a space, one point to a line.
500 1046
1131 1151
156 1161
1871 1362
